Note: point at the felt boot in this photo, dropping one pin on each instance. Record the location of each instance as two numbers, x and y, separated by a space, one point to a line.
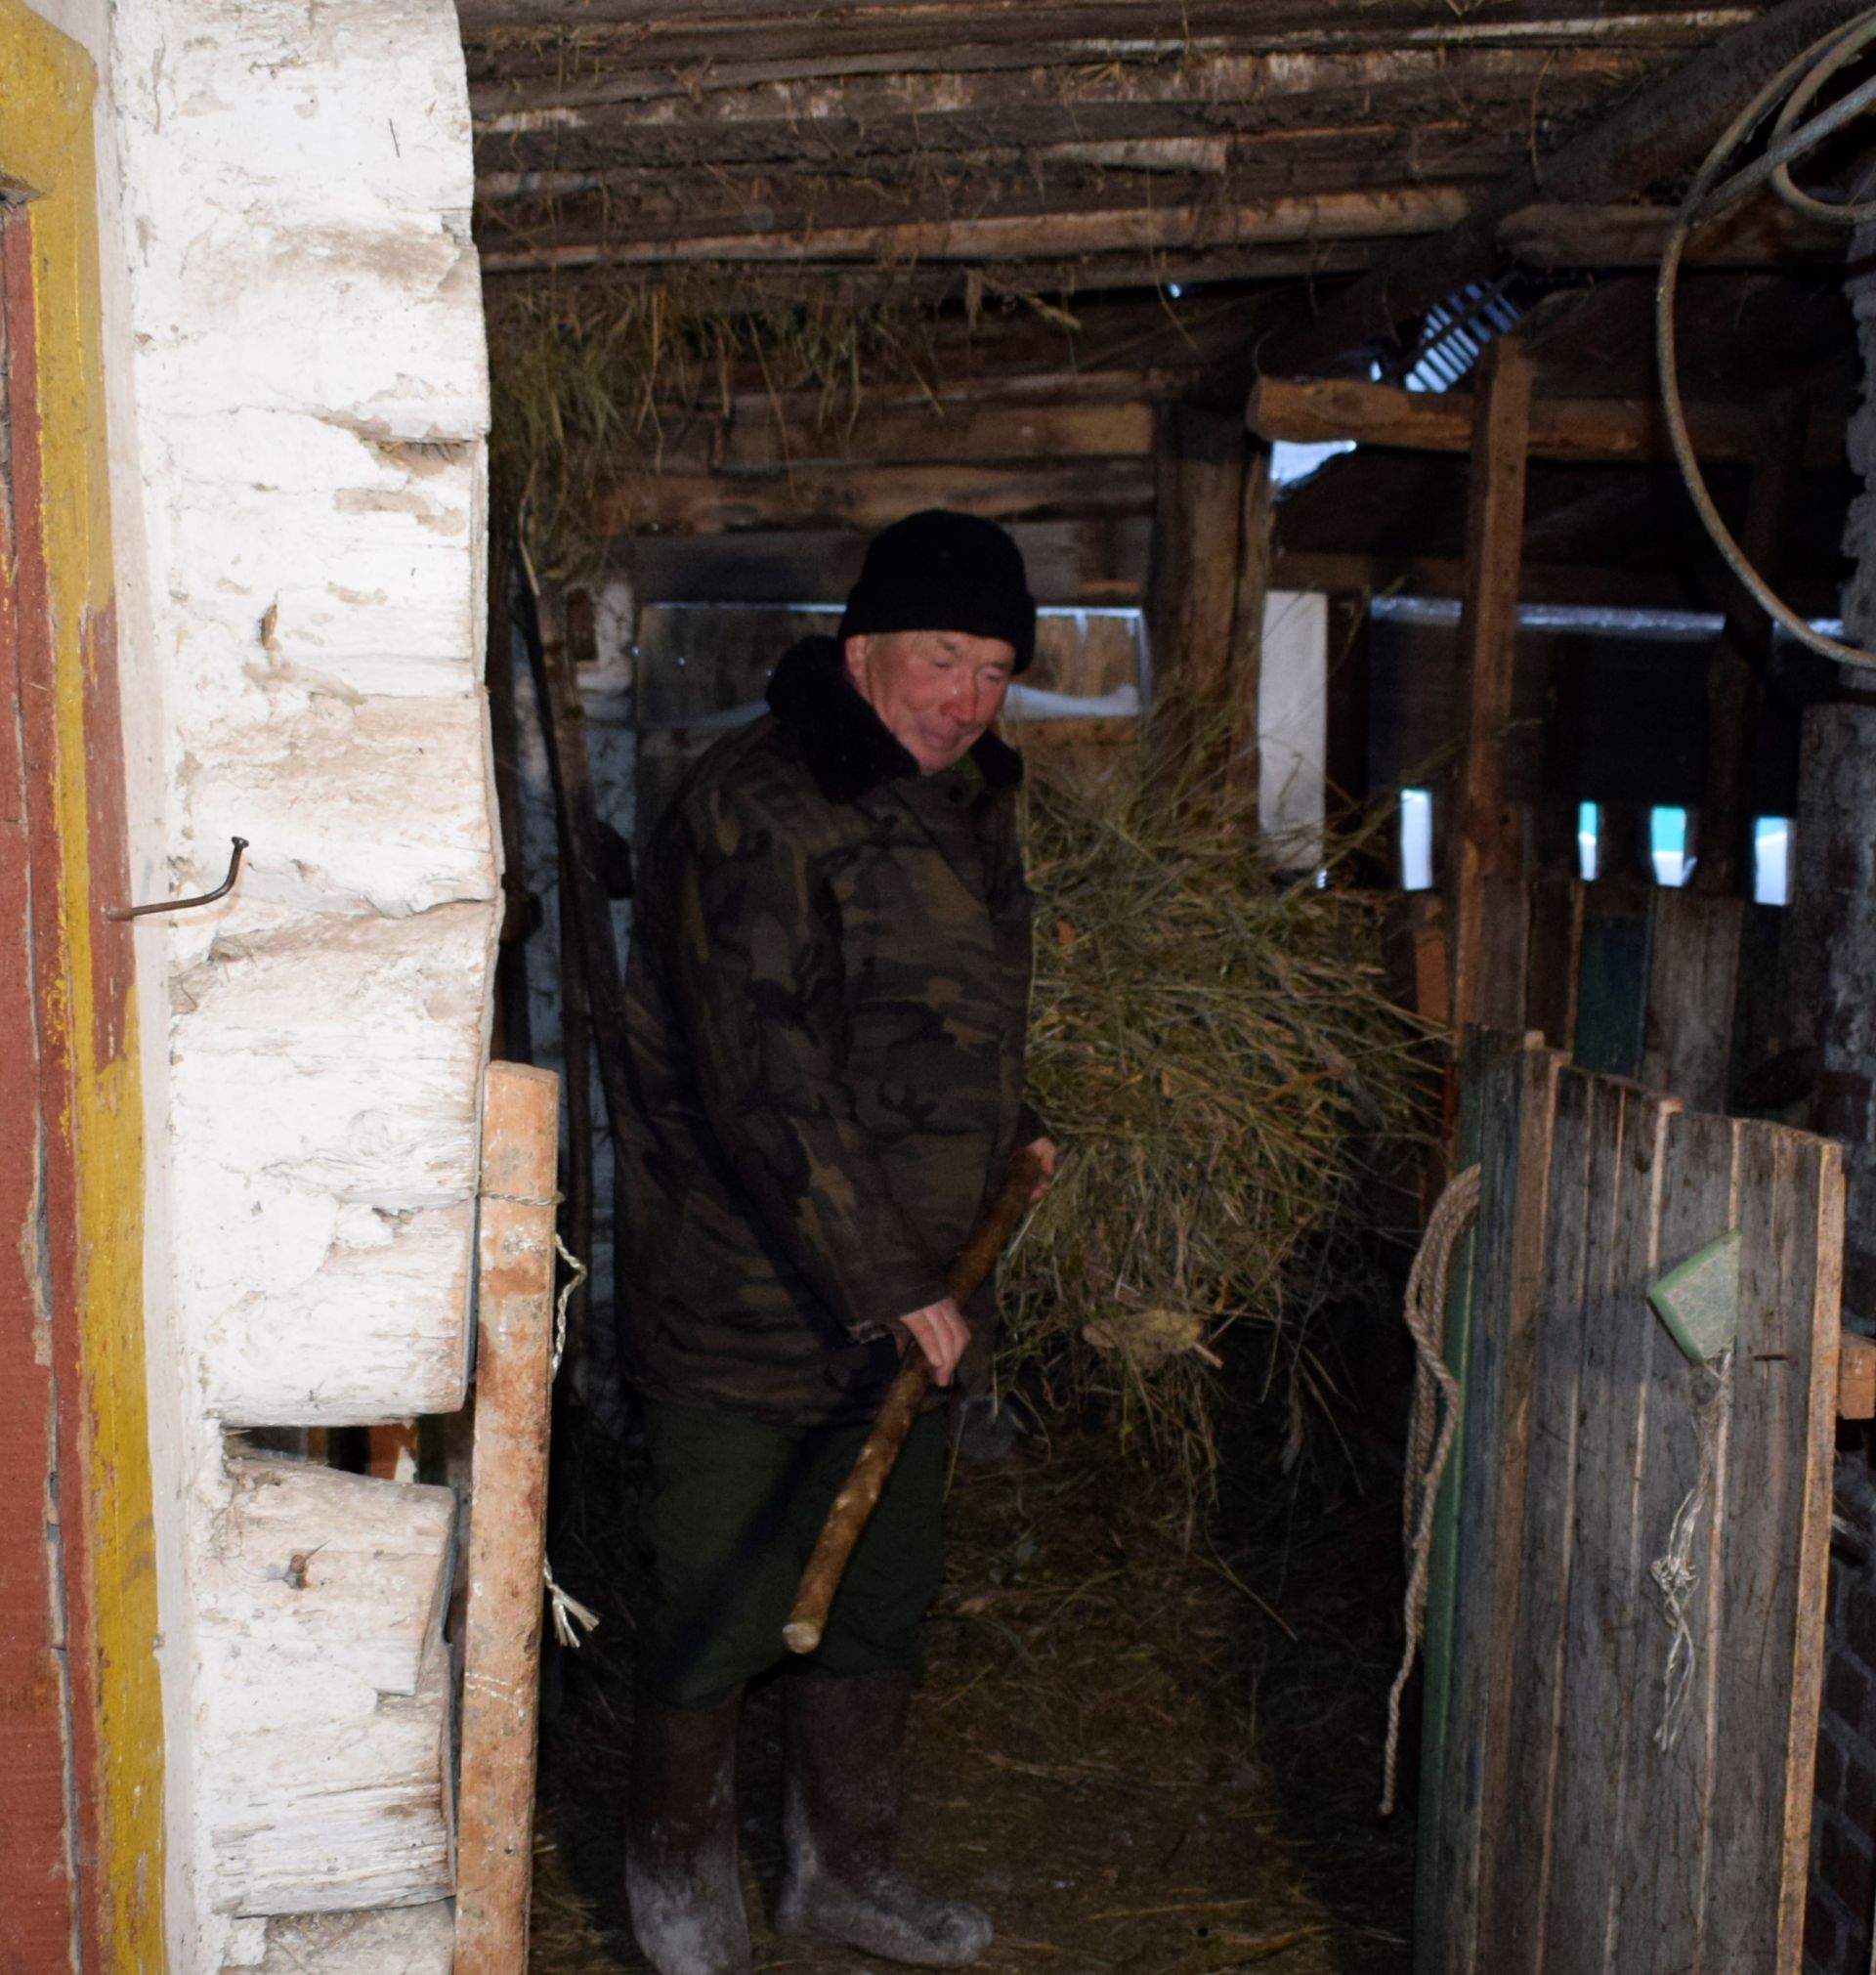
681 1874
845 1766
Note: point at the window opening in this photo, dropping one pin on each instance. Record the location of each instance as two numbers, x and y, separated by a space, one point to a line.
1771 860
1667 844
1415 839
1589 830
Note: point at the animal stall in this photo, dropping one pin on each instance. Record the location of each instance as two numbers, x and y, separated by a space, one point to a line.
1626 1623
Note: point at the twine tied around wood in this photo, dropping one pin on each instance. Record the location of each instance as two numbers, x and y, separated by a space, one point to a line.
566 1609
1431 1429
1674 1574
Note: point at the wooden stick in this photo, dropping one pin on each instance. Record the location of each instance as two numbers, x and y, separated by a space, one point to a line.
502 1634
854 1505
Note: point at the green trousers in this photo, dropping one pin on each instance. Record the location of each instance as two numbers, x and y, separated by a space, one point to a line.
729 1516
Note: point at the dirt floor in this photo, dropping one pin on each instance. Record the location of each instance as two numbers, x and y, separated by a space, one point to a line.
1135 1755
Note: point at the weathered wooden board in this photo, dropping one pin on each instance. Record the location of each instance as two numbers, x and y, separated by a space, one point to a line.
1605 1606
1662 1892
1515 1874
325 1723
1775 1540
1556 956
1602 1843
398 1941
1693 975
1518 1079
1612 979
1485 844
501 1631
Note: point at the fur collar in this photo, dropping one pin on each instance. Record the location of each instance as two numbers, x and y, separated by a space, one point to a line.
849 750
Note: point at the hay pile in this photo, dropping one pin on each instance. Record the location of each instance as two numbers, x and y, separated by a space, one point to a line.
1217 1047
595 382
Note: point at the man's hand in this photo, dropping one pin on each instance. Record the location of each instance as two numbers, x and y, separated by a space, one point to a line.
1045 1153
942 1335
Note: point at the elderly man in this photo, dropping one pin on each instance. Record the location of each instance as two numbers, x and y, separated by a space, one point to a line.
829 994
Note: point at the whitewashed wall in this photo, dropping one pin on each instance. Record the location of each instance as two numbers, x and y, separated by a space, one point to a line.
298 400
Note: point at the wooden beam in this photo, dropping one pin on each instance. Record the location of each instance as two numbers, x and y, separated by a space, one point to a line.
1048 236
1095 561
746 286
1196 524
1757 234
1655 137
830 497
501 1637
937 433
861 39
1486 848
740 112
1607 429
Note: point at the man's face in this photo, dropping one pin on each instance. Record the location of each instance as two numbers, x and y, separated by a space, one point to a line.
937 691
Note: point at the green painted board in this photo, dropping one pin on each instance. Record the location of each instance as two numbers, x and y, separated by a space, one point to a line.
1612 980
1436 1647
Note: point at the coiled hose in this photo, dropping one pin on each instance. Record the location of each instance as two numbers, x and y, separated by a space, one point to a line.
1794 86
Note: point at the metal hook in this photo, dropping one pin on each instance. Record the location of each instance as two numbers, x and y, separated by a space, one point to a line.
184 904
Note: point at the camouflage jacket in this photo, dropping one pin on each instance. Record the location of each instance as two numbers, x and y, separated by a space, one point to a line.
827 1003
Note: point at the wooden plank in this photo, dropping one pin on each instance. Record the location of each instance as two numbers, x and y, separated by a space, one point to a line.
1371 214
1263 93
1430 575
322 1731
1693 975
501 1644
1856 1378
1514 1154
1501 981
1515 1893
1775 1545
1604 1610
1755 234
1554 956
1099 561
1662 1881
1613 985
1485 841
1311 410
823 498
1431 1878
36 1903
935 432
396 1941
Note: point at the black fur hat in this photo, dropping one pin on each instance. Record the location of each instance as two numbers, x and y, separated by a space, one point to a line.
940 571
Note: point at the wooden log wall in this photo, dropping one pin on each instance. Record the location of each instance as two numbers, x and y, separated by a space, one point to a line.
1559 1831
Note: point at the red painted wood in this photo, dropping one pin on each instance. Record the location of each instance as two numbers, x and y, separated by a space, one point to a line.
37 1895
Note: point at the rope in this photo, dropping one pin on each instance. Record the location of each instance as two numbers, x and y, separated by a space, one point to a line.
1674 1574
568 1610
1431 1429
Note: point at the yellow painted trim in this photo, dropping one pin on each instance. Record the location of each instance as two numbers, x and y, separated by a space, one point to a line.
47 85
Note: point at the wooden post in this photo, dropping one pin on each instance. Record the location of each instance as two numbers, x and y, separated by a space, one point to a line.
1197 524
1244 679
1735 687
508 1505
1486 846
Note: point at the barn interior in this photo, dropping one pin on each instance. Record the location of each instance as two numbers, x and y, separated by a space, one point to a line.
1310 356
